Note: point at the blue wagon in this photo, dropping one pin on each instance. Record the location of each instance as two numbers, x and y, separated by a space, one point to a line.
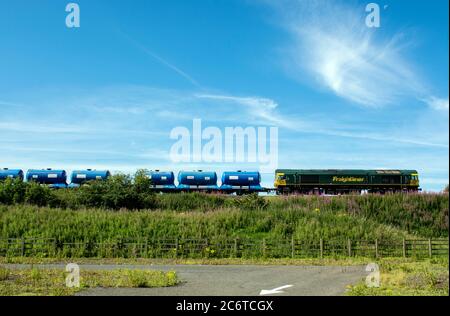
197 181
79 177
241 182
53 178
162 181
6 173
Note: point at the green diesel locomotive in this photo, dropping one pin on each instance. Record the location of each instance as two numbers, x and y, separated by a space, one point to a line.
289 181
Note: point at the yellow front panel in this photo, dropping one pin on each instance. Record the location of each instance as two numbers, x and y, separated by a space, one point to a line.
279 181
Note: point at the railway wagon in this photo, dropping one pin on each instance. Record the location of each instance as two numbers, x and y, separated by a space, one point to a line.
53 178
162 181
197 181
241 182
80 177
345 181
6 173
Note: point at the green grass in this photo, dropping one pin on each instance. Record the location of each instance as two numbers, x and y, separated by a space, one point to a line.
422 214
191 261
51 282
408 278
387 218
356 217
98 225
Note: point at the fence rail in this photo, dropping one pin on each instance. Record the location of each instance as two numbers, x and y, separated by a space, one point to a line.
224 248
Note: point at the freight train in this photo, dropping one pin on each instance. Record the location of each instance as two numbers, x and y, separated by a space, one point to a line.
287 181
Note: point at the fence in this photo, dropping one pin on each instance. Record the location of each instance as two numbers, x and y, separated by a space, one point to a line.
225 248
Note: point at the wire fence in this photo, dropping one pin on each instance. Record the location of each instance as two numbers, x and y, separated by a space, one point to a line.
224 248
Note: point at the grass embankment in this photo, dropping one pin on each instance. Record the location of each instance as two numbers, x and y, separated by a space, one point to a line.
400 277
84 217
204 216
422 214
85 225
51 282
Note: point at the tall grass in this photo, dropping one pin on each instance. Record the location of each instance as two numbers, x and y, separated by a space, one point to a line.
124 208
304 218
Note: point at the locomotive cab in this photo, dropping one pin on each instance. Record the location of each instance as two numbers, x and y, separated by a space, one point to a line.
414 179
280 179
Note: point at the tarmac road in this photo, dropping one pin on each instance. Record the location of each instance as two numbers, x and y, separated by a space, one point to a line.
236 280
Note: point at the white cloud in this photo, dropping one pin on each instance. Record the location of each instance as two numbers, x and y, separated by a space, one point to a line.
437 103
254 102
32 128
333 46
260 108
118 110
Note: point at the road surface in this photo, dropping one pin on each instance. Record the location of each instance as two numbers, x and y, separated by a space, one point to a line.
235 280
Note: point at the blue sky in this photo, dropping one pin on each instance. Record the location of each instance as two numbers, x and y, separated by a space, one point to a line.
107 94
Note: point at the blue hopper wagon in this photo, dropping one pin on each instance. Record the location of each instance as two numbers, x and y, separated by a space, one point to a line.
53 178
162 181
197 181
80 177
6 173
241 182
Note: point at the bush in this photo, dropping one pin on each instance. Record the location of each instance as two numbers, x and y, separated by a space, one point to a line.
118 191
37 195
12 191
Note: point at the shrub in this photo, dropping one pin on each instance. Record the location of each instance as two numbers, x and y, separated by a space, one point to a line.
118 191
12 191
37 194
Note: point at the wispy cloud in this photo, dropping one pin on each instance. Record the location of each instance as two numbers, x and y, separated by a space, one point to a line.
437 103
261 108
254 102
334 47
27 128
118 110
384 138
265 110
9 104
161 60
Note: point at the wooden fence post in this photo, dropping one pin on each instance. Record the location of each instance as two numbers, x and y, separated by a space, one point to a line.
235 247
321 248
430 249
264 247
404 248
23 247
292 247
349 247
176 247
146 248
376 248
